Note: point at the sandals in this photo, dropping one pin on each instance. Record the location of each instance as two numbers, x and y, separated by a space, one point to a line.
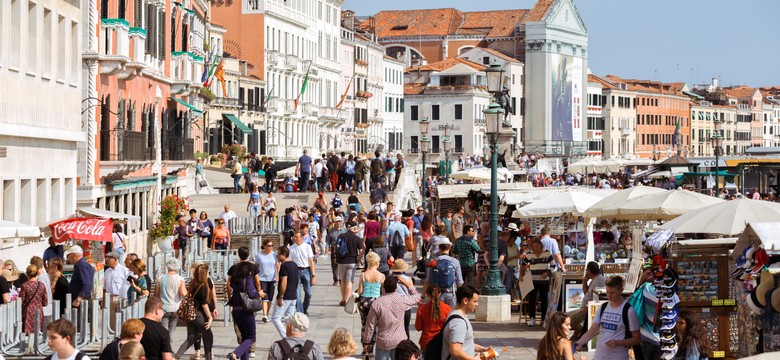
232 356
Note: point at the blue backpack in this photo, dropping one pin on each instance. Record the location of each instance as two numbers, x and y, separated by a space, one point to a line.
444 274
341 247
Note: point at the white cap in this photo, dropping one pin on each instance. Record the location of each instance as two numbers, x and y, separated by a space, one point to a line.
75 249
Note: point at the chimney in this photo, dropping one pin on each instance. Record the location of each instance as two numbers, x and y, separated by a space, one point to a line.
714 83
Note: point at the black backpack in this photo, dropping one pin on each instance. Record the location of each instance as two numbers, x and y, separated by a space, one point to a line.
299 352
397 239
434 347
638 347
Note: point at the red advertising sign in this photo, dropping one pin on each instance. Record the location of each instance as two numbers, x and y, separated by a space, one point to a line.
95 229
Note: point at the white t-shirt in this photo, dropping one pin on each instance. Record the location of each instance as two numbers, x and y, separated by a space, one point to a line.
300 254
56 356
612 328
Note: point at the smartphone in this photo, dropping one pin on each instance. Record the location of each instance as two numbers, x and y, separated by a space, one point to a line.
573 347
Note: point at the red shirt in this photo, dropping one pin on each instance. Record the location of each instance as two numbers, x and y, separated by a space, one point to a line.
428 326
372 229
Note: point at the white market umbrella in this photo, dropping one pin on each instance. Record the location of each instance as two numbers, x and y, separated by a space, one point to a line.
620 197
661 206
480 173
11 230
583 166
726 218
557 204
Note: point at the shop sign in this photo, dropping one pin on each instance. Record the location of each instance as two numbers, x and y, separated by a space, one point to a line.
94 229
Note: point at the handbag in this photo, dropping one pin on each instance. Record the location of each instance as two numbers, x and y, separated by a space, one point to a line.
250 304
187 311
352 304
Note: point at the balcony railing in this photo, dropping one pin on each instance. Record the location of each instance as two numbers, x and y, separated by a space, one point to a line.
227 102
458 150
180 149
131 146
291 61
252 107
414 151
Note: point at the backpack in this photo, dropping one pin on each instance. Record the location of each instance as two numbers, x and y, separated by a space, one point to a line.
444 274
187 311
638 355
434 346
79 355
389 165
397 239
341 247
299 352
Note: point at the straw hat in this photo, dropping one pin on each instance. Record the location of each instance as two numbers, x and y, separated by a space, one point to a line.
11 278
399 265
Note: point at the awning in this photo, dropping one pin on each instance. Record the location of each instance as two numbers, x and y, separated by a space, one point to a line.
188 105
11 230
237 123
133 221
94 229
720 173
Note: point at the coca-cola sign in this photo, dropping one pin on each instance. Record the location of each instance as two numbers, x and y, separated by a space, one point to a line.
95 229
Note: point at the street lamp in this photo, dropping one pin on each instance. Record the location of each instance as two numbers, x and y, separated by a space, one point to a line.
425 146
717 142
493 120
447 148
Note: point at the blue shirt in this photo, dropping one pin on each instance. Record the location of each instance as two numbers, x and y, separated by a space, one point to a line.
82 281
54 252
397 226
266 266
417 220
305 162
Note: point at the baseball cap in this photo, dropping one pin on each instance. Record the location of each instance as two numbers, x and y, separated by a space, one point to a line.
668 337
669 315
670 278
352 224
669 302
75 249
299 321
338 218
114 255
668 325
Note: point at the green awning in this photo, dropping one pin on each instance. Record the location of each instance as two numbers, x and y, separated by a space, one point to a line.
723 173
188 105
237 123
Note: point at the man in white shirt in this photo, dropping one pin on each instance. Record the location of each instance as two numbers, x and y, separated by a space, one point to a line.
303 256
592 281
115 282
551 245
228 214
610 325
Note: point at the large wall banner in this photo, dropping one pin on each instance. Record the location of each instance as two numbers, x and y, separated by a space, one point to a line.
566 80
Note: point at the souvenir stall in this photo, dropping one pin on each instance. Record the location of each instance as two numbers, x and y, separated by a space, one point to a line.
88 232
755 271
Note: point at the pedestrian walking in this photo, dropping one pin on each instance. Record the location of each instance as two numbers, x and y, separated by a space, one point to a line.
221 237
431 316
118 241
59 336
302 254
183 233
270 174
539 262
444 273
555 344
43 278
331 239
156 338
171 288
400 164
115 284
369 288
200 289
458 223
458 334
377 170
610 325
384 255
242 278
81 282
467 250
236 173
132 330
205 229
694 342
303 171
320 174
295 342
253 204
342 345
397 232
286 300
267 268
385 319
398 270
348 249
33 297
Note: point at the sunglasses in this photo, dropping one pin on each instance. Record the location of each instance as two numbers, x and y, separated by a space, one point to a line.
270 245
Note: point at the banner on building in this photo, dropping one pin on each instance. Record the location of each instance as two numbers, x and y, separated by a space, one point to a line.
94 229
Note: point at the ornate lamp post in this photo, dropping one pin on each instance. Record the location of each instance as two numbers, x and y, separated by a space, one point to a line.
717 141
447 148
493 118
425 146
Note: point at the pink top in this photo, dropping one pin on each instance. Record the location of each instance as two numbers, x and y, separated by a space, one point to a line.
372 229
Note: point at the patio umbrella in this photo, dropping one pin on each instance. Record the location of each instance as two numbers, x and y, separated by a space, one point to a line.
557 204
726 218
661 206
480 173
620 197
583 166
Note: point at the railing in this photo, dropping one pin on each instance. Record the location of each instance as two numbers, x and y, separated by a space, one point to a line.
229 102
252 107
458 150
180 149
291 61
132 145
414 151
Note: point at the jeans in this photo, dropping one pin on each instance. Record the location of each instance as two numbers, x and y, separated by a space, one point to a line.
303 181
245 321
236 183
254 210
303 304
398 251
380 354
282 312
468 274
194 332
321 183
447 298
350 181
542 292
169 321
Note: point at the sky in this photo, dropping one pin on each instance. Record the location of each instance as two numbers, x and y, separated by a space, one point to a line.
688 41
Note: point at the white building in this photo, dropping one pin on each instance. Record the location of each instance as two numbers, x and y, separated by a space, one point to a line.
619 121
393 104
594 121
301 38
40 114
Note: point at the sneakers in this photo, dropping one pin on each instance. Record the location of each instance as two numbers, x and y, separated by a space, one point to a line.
265 319
531 322
252 354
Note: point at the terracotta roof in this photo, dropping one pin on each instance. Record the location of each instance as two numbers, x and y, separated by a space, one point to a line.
414 89
388 57
446 64
499 23
738 92
649 85
675 160
500 55
605 84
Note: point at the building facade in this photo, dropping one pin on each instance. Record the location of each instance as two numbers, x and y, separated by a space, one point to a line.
619 118
392 106
594 121
703 117
40 122
749 104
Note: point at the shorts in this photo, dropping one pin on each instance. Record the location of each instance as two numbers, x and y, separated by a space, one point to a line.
347 272
269 288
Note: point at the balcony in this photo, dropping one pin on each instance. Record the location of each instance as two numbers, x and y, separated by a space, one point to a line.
291 62
272 57
626 131
180 149
362 94
310 109
479 121
360 62
289 106
226 102
458 150
130 146
275 104
114 45
252 107
186 72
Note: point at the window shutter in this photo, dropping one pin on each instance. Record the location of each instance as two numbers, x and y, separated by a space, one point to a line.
262 99
161 33
149 28
258 104
103 9
173 33
241 96
139 13
250 98
122 7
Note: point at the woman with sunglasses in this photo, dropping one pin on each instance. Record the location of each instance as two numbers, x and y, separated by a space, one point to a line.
221 236
267 269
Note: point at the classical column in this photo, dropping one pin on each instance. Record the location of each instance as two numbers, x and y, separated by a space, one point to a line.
91 93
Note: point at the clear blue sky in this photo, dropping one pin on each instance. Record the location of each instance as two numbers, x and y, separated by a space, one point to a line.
668 40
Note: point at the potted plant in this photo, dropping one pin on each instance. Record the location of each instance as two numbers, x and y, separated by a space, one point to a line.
160 233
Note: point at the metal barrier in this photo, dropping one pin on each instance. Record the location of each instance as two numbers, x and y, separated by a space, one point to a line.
256 225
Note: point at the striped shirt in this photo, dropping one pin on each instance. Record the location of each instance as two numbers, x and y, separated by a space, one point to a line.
538 265
386 318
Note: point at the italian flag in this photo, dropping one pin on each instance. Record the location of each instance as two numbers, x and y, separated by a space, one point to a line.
303 87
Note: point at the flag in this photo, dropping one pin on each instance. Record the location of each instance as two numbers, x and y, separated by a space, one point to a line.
220 75
206 63
303 87
212 68
344 97
268 99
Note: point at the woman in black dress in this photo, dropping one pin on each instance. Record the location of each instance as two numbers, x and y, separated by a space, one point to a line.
59 285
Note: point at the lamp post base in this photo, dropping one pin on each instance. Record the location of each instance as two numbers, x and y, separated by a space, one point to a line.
494 308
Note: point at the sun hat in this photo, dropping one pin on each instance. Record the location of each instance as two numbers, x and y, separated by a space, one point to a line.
399 265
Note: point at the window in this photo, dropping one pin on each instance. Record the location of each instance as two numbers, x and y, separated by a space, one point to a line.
458 111
486 60
434 112
415 144
414 109
458 143
435 144
48 33
32 39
